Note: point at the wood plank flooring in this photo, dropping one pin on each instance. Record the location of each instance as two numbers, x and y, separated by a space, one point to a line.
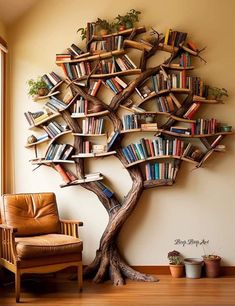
60 291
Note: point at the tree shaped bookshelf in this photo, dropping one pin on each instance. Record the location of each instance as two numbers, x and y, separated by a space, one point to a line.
166 100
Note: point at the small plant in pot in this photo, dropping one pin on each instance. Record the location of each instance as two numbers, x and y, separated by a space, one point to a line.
217 93
128 20
37 87
176 264
103 27
212 265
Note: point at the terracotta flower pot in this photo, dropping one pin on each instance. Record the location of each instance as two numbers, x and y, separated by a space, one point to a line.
212 266
177 271
42 91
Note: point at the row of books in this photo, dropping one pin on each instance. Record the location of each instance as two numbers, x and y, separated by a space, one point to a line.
204 126
185 60
130 122
165 104
35 118
109 43
115 64
51 79
92 126
80 106
161 171
54 128
174 38
192 110
59 151
77 70
154 147
116 84
56 104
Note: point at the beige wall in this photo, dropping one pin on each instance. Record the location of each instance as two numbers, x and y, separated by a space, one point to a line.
201 203
2 30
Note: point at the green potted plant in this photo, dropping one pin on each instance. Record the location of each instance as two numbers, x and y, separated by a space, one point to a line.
37 87
217 93
176 264
212 265
128 20
103 26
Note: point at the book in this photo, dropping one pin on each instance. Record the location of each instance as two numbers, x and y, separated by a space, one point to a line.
112 139
62 173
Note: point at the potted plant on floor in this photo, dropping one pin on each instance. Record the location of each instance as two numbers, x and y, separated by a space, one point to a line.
176 264
212 265
193 267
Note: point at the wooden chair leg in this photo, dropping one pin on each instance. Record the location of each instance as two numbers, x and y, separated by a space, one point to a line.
80 277
17 286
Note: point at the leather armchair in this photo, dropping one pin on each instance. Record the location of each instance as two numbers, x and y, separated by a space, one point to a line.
34 240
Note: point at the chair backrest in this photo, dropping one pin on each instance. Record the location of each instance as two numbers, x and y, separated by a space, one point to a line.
31 213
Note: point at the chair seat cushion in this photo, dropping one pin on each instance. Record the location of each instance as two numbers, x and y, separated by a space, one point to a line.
47 245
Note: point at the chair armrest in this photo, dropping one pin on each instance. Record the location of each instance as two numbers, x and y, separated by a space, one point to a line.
7 243
70 227
10 228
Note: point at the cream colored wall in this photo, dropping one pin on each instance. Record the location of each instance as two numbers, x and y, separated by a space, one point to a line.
2 30
201 203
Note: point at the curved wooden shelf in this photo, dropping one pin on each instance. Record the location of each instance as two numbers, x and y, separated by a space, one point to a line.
29 145
82 115
137 45
138 130
56 137
90 135
168 48
39 98
161 157
173 67
157 183
81 181
118 73
195 135
93 57
182 119
51 93
41 161
126 32
164 92
204 100
44 120
88 155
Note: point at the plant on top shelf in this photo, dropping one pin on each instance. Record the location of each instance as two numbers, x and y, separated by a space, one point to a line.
37 87
217 93
103 27
128 20
176 264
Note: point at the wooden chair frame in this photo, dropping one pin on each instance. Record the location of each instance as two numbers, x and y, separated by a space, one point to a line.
9 259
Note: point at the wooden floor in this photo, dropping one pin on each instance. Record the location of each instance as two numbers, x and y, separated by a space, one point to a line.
60 290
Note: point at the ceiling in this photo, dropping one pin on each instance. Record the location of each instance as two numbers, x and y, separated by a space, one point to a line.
11 10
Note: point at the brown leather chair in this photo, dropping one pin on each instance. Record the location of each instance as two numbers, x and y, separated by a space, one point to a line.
34 240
